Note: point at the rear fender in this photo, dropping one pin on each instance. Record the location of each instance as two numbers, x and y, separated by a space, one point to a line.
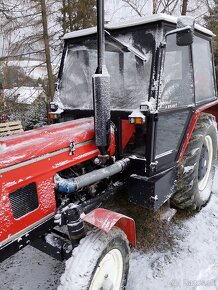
105 220
211 108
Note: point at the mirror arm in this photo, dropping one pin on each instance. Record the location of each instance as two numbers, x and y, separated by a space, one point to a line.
174 31
186 28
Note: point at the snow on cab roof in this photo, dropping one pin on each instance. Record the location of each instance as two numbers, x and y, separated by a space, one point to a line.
138 21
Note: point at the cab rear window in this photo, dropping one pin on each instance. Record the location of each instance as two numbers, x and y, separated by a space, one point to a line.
203 70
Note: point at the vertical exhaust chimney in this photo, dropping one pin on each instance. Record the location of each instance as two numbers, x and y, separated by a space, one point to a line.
101 88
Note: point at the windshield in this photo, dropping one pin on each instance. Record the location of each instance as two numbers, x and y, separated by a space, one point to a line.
130 75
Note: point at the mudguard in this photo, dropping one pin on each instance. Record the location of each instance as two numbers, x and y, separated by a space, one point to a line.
211 108
105 220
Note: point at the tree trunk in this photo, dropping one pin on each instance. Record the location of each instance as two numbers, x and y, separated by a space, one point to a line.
64 19
184 7
70 14
4 83
47 51
154 9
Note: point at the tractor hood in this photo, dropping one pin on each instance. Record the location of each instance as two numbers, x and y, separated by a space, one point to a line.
38 142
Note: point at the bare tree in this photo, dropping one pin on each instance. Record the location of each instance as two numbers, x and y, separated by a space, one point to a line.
154 6
64 18
47 50
28 35
135 5
70 11
158 6
166 6
184 7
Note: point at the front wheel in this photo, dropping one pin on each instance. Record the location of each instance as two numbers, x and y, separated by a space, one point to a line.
195 171
100 262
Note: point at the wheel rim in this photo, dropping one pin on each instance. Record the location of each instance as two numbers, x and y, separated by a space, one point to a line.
108 275
205 163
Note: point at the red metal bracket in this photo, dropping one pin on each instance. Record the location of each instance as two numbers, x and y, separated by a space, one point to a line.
105 220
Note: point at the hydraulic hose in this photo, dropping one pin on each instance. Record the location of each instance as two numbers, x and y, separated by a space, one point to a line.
73 184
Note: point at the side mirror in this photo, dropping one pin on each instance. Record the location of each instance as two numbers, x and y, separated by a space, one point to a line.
185 31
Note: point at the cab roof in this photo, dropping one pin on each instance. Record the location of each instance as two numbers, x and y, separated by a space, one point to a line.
139 21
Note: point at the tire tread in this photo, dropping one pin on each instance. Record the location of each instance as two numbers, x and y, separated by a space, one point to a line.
186 196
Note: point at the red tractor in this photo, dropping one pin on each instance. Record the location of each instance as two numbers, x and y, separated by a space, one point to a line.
146 118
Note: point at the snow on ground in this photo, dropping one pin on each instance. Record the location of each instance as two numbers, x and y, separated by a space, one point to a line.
180 255
24 95
33 68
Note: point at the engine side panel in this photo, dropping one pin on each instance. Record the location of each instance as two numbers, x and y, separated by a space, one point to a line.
42 173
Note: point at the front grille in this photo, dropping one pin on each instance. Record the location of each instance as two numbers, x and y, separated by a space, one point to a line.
24 200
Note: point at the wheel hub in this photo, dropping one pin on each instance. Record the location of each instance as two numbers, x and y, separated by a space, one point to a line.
108 275
205 163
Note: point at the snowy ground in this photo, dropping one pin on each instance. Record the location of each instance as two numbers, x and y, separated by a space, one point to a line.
182 254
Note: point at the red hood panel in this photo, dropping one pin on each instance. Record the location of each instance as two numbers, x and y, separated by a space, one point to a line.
37 142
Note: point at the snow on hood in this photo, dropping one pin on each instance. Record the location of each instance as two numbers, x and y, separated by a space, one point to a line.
41 141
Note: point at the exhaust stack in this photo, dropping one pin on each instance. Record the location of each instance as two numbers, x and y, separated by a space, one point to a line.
101 88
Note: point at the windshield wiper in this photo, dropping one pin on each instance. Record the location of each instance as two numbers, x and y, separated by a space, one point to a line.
128 47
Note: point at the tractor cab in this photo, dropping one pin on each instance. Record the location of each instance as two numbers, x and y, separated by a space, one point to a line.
158 78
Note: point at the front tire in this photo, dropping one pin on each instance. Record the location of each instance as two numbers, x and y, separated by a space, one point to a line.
196 171
101 261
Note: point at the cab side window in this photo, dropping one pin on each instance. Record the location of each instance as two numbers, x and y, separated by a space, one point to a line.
203 70
177 79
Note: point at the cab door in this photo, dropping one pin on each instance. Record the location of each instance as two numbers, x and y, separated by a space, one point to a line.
175 101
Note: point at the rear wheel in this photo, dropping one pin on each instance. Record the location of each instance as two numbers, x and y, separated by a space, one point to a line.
195 171
100 262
